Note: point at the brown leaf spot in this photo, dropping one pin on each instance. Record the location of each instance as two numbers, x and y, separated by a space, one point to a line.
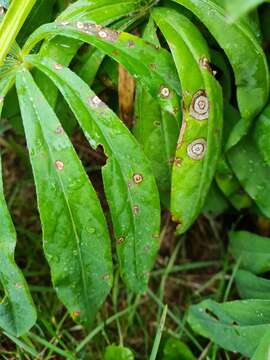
165 92
58 66
137 178
59 165
120 240
196 150
199 107
59 130
136 210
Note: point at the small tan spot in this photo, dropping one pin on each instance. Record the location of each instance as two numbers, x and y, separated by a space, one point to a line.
106 277
65 23
75 314
120 240
156 236
1 99
103 34
137 178
205 64
59 165
108 34
131 44
165 92
18 286
59 130
199 107
136 209
80 25
196 150
2 11
95 102
178 161
58 67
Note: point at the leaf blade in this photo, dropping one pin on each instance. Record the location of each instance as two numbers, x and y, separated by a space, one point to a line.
76 239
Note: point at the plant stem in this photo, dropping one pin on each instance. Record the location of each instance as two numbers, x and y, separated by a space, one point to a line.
12 24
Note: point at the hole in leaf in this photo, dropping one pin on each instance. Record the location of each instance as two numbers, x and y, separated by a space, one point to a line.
212 314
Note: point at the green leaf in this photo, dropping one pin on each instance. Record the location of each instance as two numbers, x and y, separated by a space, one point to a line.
215 202
12 23
245 55
263 350
238 8
175 349
236 325
155 129
252 172
199 142
114 352
253 249
262 133
251 286
129 185
17 311
225 177
75 236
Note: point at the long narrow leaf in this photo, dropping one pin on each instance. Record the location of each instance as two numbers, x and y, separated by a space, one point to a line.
199 141
75 235
17 311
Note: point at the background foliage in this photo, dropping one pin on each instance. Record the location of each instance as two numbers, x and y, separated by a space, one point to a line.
135 147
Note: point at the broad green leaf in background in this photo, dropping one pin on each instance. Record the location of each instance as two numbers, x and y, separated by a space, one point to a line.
225 177
129 185
175 349
252 171
115 352
262 134
215 203
237 326
253 249
263 350
251 286
155 129
75 235
199 143
245 55
238 8
17 311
